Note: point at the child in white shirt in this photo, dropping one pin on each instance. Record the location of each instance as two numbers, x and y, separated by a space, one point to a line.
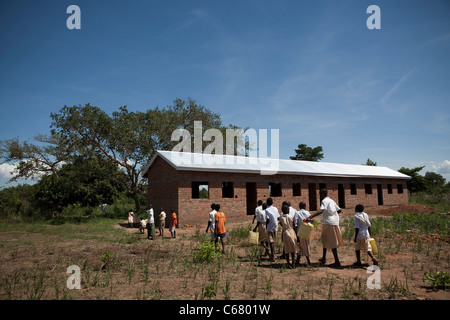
362 235
304 245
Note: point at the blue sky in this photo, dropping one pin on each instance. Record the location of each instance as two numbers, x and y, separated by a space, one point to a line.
311 69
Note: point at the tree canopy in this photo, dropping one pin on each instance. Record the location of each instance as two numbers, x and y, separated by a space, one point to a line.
303 152
370 163
126 139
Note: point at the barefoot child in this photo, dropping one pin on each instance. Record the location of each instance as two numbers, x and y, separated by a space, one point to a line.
220 227
272 217
261 227
331 234
289 237
173 224
304 245
130 218
362 235
212 222
162 222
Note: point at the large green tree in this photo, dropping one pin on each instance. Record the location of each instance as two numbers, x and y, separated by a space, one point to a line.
417 182
86 181
303 152
42 155
126 139
129 139
435 180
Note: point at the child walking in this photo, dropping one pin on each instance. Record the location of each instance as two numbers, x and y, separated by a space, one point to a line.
304 245
212 222
220 226
289 237
362 235
331 233
261 227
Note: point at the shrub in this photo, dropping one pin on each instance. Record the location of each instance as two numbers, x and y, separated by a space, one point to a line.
438 279
205 252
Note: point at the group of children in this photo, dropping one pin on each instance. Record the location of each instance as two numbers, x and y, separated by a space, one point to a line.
149 223
162 221
268 219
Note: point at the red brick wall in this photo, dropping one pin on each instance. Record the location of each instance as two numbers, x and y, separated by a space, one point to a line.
163 187
169 189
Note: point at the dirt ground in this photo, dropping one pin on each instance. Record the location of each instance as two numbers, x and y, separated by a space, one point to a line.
34 265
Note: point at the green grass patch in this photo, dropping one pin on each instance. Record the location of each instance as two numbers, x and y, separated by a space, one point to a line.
434 223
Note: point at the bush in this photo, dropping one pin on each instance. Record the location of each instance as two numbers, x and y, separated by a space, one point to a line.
205 252
438 279
238 235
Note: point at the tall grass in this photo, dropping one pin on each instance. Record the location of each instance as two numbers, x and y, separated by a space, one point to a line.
439 199
401 224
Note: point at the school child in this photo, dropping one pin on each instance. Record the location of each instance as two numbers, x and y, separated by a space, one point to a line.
173 223
289 237
304 245
162 222
220 226
261 227
362 235
257 210
272 217
130 218
212 222
150 222
331 234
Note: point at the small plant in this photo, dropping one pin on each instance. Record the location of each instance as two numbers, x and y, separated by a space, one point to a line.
239 235
39 286
396 286
226 289
131 268
208 292
106 256
438 280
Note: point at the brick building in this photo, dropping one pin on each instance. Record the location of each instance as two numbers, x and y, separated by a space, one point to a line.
189 183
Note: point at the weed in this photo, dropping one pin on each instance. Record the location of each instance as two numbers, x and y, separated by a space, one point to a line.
238 235
10 284
268 284
208 291
205 252
226 289
395 287
131 269
146 272
349 291
438 280
38 286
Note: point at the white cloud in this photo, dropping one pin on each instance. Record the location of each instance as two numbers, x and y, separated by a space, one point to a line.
5 170
443 167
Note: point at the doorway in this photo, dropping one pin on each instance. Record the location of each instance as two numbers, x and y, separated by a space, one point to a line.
341 195
252 201
380 194
312 197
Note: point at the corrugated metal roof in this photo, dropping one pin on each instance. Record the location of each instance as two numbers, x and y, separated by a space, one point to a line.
268 166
